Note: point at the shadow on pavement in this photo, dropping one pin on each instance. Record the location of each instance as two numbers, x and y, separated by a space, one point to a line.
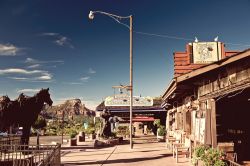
101 154
116 161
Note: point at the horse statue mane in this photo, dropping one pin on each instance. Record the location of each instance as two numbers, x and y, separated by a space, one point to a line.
24 111
4 100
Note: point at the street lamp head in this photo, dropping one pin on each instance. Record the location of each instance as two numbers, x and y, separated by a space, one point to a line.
91 15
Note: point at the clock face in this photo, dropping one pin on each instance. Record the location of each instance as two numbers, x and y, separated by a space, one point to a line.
205 52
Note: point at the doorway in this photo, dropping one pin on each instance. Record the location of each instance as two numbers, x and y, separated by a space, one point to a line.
232 121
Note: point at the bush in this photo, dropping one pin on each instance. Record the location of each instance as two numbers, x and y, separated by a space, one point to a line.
73 134
210 156
199 152
157 122
39 123
161 130
90 130
113 135
122 130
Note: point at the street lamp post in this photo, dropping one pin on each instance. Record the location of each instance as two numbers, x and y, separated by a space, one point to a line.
130 87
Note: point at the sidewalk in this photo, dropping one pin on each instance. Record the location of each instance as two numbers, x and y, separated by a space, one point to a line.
144 153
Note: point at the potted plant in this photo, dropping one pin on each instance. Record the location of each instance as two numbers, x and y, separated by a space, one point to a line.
91 132
161 132
199 154
157 123
206 156
81 136
73 140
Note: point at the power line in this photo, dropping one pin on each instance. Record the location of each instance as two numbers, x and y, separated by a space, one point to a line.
172 37
164 36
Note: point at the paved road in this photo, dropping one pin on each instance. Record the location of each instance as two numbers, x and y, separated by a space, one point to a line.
146 152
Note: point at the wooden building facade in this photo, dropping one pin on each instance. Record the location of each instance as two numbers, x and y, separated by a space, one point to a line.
210 104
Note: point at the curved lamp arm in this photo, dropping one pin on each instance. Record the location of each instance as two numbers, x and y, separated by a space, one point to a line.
91 15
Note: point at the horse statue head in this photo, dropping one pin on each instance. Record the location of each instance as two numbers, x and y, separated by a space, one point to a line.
44 96
4 100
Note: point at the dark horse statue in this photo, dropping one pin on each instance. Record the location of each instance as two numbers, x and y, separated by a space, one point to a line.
23 111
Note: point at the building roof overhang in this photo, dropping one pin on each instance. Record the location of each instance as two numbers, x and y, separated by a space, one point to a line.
214 65
178 84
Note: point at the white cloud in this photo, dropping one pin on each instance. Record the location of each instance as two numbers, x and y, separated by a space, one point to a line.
8 50
85 79
45 78
30 60
73 83
49 34
34 66
20 71
35 61
30 75
28 90
18 78
60 40
91 71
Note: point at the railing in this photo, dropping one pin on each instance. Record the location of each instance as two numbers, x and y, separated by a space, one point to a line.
10 140
32 155
54 158
232 163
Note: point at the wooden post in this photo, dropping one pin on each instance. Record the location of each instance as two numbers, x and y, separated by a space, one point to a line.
208 132
131 80
213 123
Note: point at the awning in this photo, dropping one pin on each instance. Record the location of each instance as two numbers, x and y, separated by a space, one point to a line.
134 111
141 119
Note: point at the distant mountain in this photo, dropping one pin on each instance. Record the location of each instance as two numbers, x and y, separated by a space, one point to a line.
70 108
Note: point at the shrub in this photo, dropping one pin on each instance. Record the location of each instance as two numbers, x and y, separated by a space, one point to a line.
73 134
39 123
210 156
122 130
113 134
90 130
157 122
199 151
161 130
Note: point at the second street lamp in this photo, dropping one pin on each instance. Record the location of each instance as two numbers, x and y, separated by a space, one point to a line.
130 87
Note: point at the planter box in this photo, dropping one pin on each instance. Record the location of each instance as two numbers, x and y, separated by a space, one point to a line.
200 163
72 142
92 136
81 137
161 138
81 133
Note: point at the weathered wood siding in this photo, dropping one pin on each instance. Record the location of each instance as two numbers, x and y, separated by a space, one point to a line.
231 76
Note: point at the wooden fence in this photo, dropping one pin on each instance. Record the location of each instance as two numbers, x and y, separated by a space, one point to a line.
32 155
14 154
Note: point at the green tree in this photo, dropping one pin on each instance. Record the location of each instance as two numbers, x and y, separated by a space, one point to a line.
39 123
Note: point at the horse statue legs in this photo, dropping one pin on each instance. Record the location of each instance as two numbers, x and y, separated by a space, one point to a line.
25 135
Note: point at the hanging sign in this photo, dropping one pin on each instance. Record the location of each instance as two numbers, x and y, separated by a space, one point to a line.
125 101
206 52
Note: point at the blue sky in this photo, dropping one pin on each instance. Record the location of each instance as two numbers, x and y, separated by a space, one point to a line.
52 43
